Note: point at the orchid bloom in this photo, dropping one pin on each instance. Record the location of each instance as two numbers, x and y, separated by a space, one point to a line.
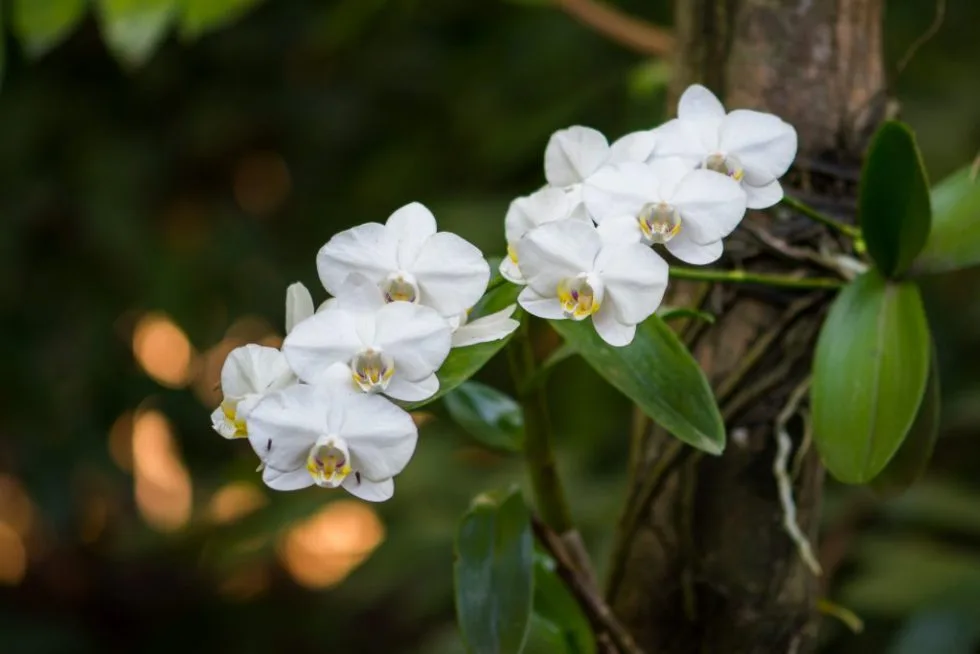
752 147
328 436
524 214
392 348
572 274
248 374
574 155
409 261
688 211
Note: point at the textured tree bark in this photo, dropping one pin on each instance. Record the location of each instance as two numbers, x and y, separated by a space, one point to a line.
702 561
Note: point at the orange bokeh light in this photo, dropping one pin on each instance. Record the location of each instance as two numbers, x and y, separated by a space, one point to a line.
322 550
162 485
163 350
234 501
13 556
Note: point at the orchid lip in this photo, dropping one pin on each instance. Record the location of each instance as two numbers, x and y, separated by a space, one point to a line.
372 370
659 222
580 296
401 287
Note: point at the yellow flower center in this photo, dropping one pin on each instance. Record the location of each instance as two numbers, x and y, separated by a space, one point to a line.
726 165
230 409
400 287
328 462
659 222
512 253
372 370
579 298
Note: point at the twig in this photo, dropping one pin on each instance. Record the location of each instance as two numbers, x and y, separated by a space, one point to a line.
784 445
637 35
598 612
925 37
798 254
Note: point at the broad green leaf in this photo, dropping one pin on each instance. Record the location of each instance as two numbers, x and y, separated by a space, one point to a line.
954 241
134 28
658 373
912 458
464 362
869 375
893 206
555 603
544 637
201 16
42 24
493 573
490 416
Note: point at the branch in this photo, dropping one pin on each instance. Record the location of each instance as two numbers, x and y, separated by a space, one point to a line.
635 34
598 612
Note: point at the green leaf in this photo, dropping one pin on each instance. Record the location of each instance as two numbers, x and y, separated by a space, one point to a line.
912 458
869 375
893 206
555 603
490 416
658 373
464 362
41 25
201 16
544 637
493 573
134 28
954 241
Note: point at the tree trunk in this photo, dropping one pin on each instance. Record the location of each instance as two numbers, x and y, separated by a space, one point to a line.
702 561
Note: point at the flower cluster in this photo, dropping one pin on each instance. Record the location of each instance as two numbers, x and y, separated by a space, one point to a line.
318 411
321 410
582 244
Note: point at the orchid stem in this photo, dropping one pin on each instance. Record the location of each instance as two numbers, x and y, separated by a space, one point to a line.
744 277
848 230
539 454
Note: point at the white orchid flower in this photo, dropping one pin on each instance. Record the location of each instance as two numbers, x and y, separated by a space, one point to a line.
575 154
492 327
327 436
299 305
571 274
248 374
391 348
524 214
751 147
409 261
689 211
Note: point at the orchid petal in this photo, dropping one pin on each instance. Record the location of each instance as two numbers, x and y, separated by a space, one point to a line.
764 144
365 249
408 228
635 278
711 205
415 336
573 154
451 273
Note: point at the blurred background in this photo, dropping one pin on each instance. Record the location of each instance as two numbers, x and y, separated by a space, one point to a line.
151 218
